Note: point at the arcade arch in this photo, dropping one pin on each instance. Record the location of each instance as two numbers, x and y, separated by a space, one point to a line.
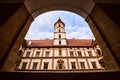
95 17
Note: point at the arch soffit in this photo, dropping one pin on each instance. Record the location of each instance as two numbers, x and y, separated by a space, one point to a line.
81 7
39 11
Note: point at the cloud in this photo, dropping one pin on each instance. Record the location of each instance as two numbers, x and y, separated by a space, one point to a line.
79 33
43 26
39 36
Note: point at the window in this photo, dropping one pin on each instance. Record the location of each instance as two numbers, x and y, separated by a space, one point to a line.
98 52
59 36
37 54
60 53
60 66
71 54
79 54
47 54
89 53
59 25
35 65
73 65
59 42
45 65
24 64
94 65
59 30
82 64
28 53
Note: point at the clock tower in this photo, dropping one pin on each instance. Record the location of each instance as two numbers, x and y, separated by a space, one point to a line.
59 33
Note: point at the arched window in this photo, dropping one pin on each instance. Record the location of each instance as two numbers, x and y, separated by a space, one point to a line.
59 25
59 30
59 36
59 42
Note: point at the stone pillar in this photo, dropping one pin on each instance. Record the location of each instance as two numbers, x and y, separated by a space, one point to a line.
8 28
113 28
104 31
13 32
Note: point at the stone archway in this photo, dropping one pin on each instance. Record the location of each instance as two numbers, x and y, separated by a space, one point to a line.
110 52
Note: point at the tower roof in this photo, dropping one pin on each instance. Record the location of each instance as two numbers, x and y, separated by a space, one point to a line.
59 21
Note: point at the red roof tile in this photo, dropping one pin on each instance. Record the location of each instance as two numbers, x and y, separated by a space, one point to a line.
70 42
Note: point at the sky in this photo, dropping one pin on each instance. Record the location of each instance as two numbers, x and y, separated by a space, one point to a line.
43 26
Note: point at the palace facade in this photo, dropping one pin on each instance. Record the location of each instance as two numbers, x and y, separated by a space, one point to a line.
60 53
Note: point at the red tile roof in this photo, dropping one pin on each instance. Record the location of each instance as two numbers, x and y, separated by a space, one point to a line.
70 42
79 42
40 43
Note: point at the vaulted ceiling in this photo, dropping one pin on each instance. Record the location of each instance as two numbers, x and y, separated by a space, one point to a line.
81 7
